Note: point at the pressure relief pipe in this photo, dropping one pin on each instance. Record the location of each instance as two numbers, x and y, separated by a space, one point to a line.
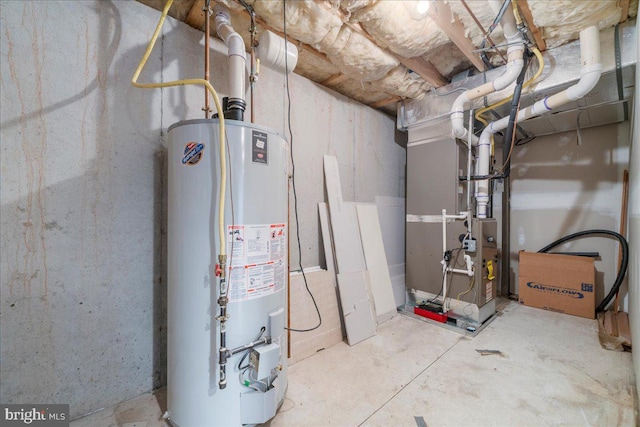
515 53
237 62
589 76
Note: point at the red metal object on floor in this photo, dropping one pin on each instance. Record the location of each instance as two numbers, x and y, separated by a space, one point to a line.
438 317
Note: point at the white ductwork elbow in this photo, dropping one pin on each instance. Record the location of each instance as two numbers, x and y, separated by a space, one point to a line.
514 66
589 77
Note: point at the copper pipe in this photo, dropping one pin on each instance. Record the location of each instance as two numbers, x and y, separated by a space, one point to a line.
207 33
484 32
253 84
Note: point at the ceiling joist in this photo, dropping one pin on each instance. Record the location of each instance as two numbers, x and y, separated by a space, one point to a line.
195 18
334 80
424 69
384 102
525 12
419 65
388 32
624 13
450 24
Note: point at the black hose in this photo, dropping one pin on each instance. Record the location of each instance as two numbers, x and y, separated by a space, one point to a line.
623 266
515 108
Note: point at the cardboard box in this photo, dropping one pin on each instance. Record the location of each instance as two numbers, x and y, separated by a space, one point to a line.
561 283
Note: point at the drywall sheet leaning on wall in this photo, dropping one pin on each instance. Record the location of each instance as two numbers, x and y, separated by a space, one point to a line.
376 260
356 306
391 212
344 223
303 314
327 240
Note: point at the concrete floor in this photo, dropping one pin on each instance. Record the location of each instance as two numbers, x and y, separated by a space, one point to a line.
552 372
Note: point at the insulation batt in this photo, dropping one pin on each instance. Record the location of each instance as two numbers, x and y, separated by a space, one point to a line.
397 27
359 58
350 6
383 20
485 15
567 17
448 59
314 24
313 67
397 82
362 91
307 21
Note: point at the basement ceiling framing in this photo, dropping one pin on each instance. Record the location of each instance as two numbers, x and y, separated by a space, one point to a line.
381 52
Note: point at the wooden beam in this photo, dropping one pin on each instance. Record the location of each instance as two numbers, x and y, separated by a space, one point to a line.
481 27
450 23
424 69
525 12
334 80
385 101
195 18
421 66
624 13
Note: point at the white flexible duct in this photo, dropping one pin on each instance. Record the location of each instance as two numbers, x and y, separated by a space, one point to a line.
589 76
237 55
515 63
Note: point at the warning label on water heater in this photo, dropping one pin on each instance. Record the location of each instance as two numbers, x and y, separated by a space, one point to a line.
257 264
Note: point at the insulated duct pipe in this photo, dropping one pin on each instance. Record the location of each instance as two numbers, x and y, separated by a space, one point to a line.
236 103
589 76
515 52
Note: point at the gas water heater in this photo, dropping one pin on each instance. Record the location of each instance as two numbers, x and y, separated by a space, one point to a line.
234 372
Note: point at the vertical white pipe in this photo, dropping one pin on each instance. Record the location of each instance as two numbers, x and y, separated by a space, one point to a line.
237 55
444 263
589 76
514 65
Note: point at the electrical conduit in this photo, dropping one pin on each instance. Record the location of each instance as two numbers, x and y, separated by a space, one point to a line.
589 76
515 63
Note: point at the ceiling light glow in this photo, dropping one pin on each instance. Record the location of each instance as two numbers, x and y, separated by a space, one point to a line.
423 6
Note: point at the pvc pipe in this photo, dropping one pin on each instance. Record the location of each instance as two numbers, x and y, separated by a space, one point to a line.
445 269
236 53
468 271
515 63
443 262
589 76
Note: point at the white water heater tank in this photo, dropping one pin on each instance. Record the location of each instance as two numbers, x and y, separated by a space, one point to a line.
257 270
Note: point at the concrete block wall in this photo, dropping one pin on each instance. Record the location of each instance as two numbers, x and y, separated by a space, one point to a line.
83 191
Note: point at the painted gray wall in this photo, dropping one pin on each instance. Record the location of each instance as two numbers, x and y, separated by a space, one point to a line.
83 194
324 122
559 187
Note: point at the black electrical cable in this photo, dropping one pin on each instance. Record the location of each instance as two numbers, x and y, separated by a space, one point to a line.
293 173
246 353
507 145
623 265
499 16
455 260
